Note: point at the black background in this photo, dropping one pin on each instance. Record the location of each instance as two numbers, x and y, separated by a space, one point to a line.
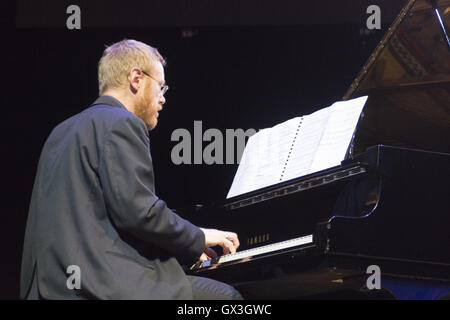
249 67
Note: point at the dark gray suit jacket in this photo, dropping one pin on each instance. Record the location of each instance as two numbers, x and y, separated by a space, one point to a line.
94 206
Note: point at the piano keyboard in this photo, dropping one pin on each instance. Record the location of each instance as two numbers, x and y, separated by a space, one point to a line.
274 247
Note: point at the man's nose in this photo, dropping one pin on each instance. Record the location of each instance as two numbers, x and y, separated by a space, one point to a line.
162 100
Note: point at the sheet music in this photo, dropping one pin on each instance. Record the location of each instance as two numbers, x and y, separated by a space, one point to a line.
338 133
306 144
297 147
263 158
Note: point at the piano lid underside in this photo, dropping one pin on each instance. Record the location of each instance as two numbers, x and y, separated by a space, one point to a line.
407 79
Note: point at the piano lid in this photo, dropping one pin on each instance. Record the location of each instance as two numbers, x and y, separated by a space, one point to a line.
407 78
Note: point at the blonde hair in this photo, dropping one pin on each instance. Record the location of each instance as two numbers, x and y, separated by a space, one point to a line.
119 58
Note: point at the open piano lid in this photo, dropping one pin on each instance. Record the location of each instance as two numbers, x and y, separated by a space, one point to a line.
408 82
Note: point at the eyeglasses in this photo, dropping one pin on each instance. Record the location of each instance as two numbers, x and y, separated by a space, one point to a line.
162 89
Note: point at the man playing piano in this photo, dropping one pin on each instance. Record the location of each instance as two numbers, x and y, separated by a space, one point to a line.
96 229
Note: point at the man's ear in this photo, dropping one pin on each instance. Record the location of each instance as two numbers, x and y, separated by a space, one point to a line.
135 79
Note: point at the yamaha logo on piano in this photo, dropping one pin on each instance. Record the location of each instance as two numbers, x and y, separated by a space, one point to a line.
258 239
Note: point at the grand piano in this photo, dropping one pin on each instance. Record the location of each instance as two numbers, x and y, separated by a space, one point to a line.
378 225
